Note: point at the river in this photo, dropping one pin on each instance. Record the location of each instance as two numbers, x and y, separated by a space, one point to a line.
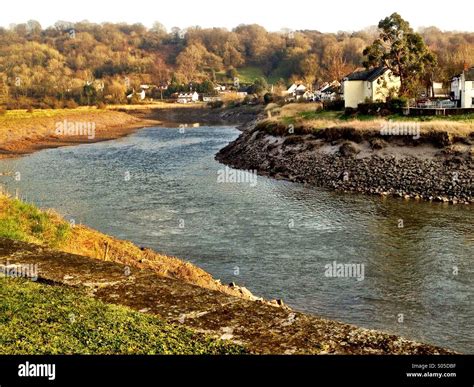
161 188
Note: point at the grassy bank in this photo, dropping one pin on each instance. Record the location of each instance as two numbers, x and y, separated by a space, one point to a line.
41 319
307 118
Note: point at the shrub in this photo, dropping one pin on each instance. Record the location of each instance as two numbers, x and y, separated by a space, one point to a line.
350 112
336 105
216 104
396 104
52 102
101 105
267 98
70 104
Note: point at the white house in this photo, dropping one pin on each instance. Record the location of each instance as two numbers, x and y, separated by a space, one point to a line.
462 88
295 91
309 96
219 88
369 85
141 94
188 97
210 98
329 91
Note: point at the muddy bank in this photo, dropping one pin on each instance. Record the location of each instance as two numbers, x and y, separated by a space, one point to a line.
261 328
437 166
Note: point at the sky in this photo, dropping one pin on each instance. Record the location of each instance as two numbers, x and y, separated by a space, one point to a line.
324 16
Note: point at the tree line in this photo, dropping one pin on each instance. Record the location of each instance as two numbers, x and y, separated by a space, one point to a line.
86 63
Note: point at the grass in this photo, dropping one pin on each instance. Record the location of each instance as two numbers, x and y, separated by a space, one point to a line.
38 319
311 116
21 114
25 222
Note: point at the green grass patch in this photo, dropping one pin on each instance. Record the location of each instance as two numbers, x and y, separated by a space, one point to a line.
25 222
21 114
38 319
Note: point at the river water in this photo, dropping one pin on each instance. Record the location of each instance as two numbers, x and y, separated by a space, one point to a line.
162 188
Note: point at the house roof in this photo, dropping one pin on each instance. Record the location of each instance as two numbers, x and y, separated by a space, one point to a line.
367 75
332 89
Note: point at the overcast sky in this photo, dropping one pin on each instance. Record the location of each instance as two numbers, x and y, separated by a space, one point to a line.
325 16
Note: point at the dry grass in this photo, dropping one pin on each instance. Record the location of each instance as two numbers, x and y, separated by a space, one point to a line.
452 127
310 116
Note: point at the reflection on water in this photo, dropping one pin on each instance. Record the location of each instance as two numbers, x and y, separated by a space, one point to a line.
275 238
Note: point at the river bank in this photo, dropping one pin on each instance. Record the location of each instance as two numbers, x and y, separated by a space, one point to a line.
23 132
254 326
101 252
438 166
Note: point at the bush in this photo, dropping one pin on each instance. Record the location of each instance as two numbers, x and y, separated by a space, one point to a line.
396 104
2 110
267 98
70 104
52 103
215 104
101 105
350 112
336 105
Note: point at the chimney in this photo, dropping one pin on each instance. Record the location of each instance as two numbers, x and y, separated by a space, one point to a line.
466 66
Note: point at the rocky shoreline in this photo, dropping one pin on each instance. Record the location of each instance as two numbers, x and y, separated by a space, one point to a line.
369 164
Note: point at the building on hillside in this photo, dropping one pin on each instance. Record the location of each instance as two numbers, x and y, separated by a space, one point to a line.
188 97
330 91
309 96
141 95
369 85
219 88
462 89
211 98
295 92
